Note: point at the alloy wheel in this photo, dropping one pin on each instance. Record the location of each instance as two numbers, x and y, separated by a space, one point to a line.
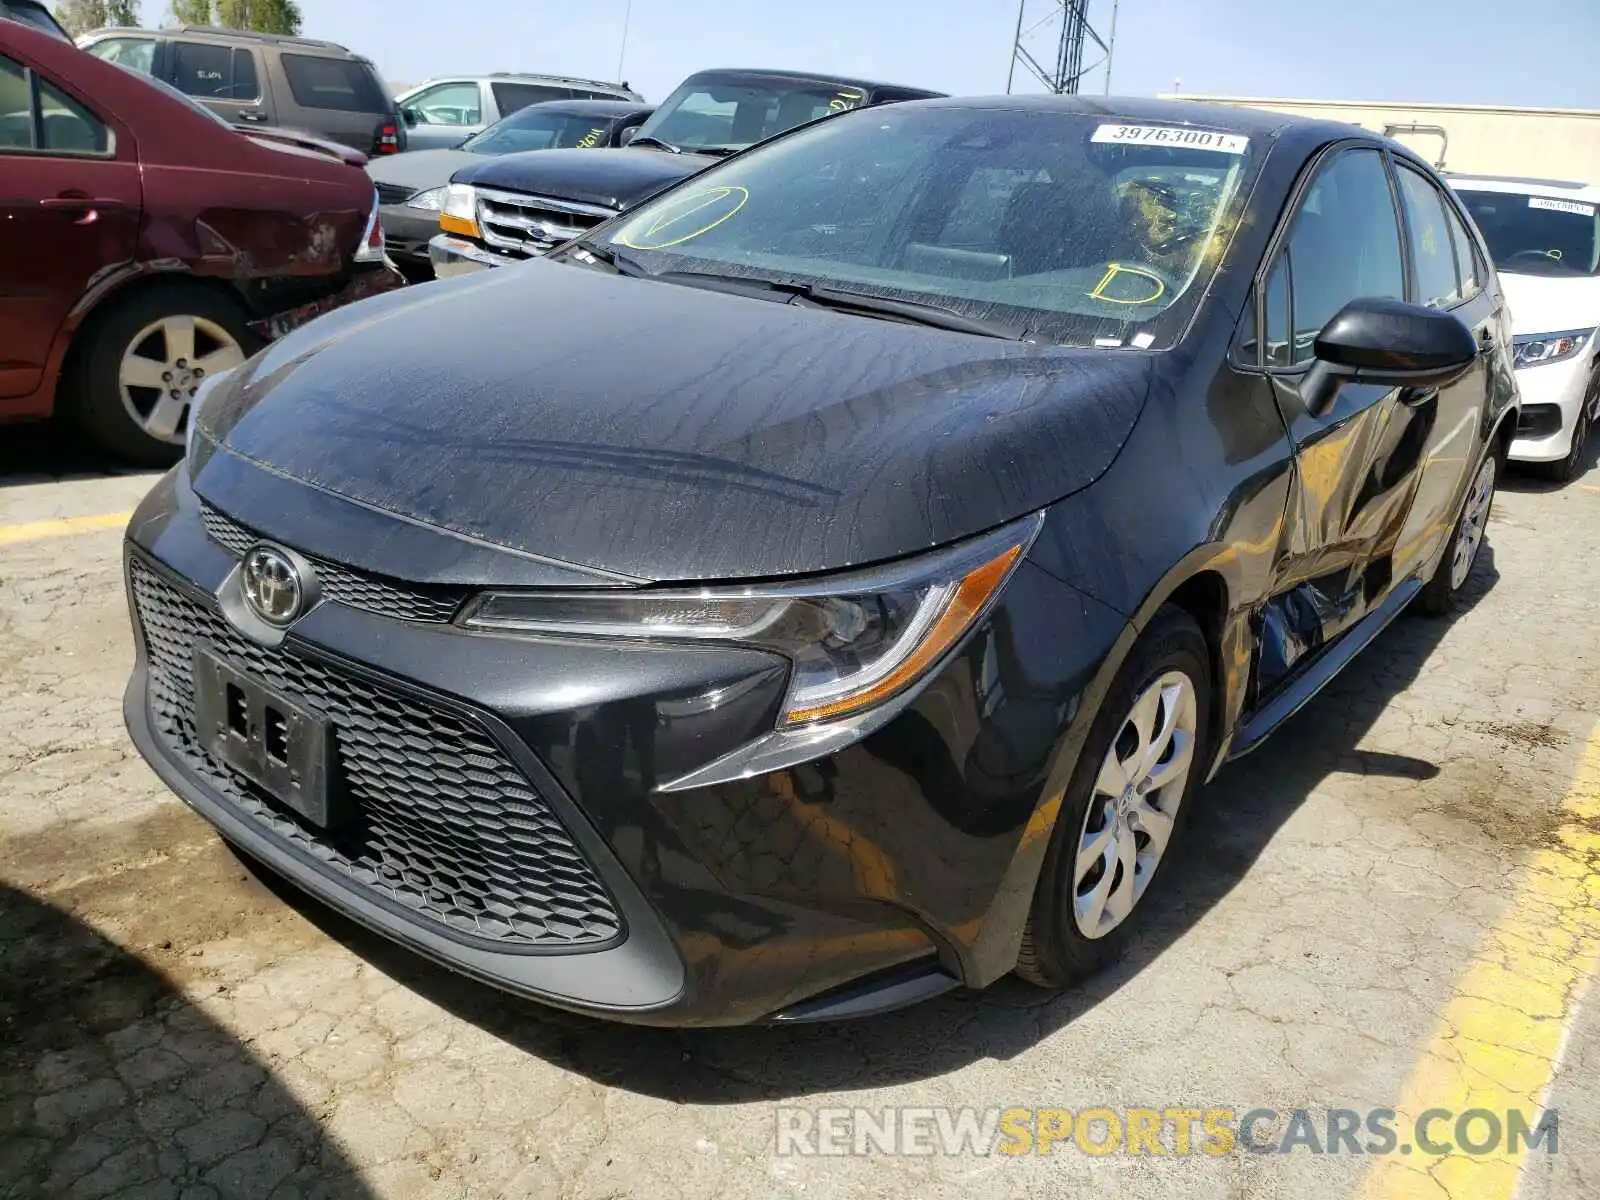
1474 519
1132 811
165 364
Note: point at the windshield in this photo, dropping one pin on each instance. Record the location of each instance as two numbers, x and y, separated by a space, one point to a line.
1536 235
536 129
1081 229
724 111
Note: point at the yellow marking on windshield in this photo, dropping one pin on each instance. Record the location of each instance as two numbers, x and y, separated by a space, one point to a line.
673 213
1115 269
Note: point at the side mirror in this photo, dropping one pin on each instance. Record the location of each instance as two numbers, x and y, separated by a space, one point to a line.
409 116
628 135
1387 342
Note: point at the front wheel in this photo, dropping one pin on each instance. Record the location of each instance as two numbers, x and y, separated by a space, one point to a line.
1126 807
1439 594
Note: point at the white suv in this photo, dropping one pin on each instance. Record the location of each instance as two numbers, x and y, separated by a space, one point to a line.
1545 239
442 113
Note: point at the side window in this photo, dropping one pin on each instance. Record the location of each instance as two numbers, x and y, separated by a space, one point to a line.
1432 254
514 96
1344 245
1466 255
1277 319
214 72
16 107
68 126
137 54
63 125
448 104
245 84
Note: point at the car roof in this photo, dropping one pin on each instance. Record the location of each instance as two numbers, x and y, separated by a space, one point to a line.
517 77
214 33
1555 189
610 109
813 76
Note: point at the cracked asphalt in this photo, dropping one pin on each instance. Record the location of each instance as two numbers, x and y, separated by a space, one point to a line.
173 1023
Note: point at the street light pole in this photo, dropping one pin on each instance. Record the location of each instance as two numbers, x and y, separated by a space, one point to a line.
622 54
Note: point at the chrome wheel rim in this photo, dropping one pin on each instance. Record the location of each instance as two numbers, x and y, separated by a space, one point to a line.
1474 519
163 367
1130 818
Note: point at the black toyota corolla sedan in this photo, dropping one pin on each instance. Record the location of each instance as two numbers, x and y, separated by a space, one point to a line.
830 582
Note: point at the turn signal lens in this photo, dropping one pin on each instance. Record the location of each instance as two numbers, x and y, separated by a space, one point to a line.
855 641
460 212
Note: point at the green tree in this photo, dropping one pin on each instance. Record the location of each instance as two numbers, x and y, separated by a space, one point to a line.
80 16
191 12
263 16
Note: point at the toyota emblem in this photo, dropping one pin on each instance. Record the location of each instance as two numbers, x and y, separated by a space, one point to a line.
272 585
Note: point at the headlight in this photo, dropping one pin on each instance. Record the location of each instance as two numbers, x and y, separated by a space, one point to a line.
459 213
1538 349
856 641
431 200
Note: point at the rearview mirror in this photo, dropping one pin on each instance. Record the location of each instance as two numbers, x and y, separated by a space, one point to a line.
1387 342
628 135
409 116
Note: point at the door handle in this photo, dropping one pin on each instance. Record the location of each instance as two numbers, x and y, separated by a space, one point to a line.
83 203
255 117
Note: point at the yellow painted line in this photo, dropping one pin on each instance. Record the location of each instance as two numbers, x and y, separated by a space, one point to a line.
33 531
1501 1035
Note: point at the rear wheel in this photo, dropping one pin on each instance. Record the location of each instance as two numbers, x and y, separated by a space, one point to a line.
1438 595
140 365
1126 807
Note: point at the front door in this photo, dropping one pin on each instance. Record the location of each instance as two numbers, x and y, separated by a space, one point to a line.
444 115
69 210
1357 463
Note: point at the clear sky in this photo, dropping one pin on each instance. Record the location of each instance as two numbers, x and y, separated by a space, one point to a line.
1523 52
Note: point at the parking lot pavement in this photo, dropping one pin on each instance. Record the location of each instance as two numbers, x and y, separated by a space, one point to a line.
1393 904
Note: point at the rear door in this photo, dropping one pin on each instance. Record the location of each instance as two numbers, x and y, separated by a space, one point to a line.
1446 275
69 210
1359 462
226 79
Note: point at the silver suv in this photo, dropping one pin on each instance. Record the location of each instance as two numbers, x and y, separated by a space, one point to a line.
444 112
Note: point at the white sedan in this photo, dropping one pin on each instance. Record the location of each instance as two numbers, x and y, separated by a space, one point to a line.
1545 239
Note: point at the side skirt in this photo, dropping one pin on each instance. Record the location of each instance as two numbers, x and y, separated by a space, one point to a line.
1317 675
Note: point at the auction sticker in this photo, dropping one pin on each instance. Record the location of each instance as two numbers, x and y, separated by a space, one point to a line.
1169 135
1566 206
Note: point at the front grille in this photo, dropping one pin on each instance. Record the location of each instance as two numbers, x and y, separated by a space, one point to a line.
446 827
395 193
342 585
527 226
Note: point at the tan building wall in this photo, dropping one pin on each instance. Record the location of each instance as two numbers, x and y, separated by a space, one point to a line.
1539 143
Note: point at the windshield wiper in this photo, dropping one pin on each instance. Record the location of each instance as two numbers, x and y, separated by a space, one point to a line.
655 141
620 263
914 312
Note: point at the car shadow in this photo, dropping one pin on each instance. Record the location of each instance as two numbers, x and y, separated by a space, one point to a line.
1238 815
52 451
1521 479
112 1081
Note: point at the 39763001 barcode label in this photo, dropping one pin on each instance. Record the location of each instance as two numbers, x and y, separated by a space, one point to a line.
1172 135
1566 206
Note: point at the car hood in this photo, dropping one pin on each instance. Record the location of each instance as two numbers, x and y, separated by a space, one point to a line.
650 430
611 178
1551 303
418 169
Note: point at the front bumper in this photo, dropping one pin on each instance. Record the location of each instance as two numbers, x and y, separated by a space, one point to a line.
872 877
406 233
1552 397
452 256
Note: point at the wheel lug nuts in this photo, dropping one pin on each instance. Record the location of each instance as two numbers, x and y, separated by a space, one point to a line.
166 377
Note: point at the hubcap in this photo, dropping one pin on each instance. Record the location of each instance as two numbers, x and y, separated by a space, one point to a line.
1135 802
164 366
1474 518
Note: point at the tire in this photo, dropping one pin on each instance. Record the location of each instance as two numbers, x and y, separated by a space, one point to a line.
144 424
1440 594
1057 948
1565 470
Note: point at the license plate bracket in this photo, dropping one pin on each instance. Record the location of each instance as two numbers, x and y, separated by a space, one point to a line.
279 744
